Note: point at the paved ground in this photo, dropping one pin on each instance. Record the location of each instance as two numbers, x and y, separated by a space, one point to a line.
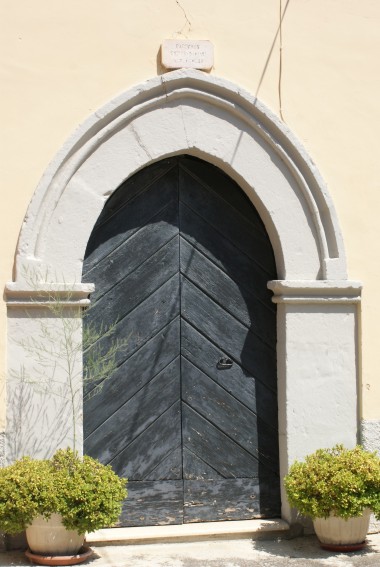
298 552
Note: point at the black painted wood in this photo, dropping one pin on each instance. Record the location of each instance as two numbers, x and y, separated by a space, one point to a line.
129 209
215 448
224 289
255 394
232 499
226 413
153 503
143 243
153 454
136 415
144 321
222 252
215 180
225 219
237 340
171 466
181 259
195 468
138 286
141 366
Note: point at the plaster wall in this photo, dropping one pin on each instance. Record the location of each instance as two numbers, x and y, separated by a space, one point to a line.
324 362
59 62
39 414
326 366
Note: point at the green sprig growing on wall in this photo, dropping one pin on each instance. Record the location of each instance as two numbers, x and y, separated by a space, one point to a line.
57 350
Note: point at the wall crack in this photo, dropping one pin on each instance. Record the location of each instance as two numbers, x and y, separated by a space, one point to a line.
140 142
187 21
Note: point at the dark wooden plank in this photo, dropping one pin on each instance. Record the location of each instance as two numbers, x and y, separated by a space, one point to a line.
215 179
235 420
219 500
226 220
231 499
223 288
219 407
133 251
249 391
134 185
146 320
170 468
135 416
224 330
153 503
152 455
128 219
136 286
270 495
225 255
214 448
131 376
196 468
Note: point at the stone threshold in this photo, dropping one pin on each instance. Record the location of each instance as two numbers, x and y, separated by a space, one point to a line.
246 529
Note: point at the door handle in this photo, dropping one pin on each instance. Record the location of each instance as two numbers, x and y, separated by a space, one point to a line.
224 363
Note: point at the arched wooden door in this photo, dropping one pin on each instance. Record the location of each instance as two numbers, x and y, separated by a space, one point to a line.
181 259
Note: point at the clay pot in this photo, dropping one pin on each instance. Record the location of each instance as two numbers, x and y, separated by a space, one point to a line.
334 533
50 537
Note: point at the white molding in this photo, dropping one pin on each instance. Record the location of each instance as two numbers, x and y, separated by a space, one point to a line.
184 111
68 294
314 292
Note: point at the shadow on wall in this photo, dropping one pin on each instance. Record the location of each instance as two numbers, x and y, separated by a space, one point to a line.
30 430
161 70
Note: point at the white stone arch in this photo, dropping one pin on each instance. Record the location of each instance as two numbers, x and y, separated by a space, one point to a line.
185 112
189 112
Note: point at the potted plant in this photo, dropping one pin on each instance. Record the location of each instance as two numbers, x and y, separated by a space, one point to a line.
72 493
338 488
57 500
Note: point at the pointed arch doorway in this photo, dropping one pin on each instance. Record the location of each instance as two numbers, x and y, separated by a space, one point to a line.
189 112
180 258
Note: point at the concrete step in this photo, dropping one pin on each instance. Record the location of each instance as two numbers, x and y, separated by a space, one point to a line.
247 529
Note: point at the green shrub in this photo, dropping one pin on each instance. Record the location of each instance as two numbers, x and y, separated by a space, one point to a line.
339 480
87 494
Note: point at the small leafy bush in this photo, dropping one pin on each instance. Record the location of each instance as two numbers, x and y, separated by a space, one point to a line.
87 494
338 480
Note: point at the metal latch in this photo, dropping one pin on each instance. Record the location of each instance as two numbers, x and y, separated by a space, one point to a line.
224 363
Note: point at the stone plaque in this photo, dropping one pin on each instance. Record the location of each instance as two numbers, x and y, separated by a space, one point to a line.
188 53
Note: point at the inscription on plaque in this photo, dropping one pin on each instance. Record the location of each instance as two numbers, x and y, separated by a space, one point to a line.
188 53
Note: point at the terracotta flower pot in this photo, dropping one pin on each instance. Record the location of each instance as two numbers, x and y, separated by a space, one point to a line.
334 531
50 537
80 557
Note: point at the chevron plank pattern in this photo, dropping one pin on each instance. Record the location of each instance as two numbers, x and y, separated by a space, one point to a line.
180 260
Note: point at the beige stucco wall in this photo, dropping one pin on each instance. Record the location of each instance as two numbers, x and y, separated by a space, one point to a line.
60 61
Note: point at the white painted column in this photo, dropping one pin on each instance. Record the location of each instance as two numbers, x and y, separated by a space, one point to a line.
39 386
317 367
